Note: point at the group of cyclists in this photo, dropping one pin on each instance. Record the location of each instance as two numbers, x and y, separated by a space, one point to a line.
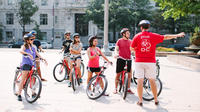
143 45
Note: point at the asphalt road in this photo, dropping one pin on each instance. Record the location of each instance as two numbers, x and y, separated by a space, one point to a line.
180 92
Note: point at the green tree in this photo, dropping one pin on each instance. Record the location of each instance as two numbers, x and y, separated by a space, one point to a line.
27 9
122 13
178 8
39 33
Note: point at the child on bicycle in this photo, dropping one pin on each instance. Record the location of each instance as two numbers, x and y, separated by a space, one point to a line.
93 55
75 51
29 52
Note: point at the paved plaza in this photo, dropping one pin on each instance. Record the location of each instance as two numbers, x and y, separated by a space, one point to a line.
180 92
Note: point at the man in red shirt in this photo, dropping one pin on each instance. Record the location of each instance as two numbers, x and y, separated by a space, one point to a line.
144 45
123 52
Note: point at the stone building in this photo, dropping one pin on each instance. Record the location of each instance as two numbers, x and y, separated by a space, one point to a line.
54 18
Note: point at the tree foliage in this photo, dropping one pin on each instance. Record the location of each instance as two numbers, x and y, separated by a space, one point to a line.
122 13
39 34
27 9
178 8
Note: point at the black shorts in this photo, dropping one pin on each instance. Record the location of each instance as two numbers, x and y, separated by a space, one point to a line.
26 67
121 64
94 69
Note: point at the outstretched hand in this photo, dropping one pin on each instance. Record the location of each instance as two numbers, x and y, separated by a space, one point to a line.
182 34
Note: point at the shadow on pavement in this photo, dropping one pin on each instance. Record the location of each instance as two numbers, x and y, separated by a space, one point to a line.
33 106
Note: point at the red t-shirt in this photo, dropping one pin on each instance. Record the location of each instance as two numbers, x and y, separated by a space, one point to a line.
144 44
124 48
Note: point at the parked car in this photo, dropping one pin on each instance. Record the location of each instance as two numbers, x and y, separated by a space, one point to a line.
46 45
178 47
111 46
16 44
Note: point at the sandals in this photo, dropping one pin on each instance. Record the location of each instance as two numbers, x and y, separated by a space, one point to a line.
157 103
140 103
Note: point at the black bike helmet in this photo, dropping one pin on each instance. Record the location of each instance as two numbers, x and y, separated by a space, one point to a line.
124 30
144 23
76 34
27 36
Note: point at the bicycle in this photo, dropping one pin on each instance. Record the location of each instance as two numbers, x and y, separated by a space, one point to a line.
62 69
32 85
157 71
97 84
147 93
123 80
74 78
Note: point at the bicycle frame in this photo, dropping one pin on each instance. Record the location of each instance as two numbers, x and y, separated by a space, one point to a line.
29 75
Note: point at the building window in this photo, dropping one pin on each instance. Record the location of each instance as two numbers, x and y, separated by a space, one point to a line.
81 26
56 3
56 19
10 2
9 18
44 36
9 35
44 2
43 19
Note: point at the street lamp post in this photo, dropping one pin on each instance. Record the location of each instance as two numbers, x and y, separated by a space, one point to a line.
52 40
106 7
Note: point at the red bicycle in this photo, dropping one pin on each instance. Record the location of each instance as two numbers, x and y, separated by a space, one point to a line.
62 69
32 85
123 81
97 84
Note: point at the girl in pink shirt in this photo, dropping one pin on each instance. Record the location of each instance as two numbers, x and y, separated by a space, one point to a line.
93 55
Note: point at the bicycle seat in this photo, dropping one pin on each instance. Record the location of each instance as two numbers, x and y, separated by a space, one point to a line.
18 68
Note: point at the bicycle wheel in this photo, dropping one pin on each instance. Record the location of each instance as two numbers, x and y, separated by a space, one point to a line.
96 87
157 70
134 78
147 93
17 80
32 88
59 72
82 68
75 81
125 86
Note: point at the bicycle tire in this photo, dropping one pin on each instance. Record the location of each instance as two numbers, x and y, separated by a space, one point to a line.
82 68
74 80
159 89
37 82
125 86
92 84
134 78
55 75
16 80
157 70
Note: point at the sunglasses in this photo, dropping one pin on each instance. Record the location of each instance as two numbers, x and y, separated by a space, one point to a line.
31 39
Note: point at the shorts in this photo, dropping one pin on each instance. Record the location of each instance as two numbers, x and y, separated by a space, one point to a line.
147 70
74 59
121 64
26 67
91 69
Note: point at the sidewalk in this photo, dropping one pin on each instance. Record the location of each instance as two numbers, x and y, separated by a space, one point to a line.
180 92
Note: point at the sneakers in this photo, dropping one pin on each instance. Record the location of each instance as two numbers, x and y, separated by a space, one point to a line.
139 103
43 79
69 84
19 98
129 91
67 77
115 91
80 80
34 95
